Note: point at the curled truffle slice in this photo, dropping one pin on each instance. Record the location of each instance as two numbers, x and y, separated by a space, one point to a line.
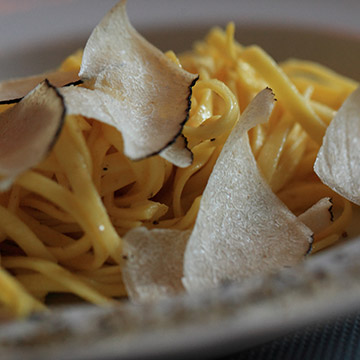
338 160
242 228
318 216
153 263
178 153
12 91
143 93
28 130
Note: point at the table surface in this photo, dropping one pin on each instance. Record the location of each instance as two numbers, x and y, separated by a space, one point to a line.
338 339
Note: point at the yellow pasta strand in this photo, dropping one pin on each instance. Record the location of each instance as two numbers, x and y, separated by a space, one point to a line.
22 235
14 296
57 274
286 92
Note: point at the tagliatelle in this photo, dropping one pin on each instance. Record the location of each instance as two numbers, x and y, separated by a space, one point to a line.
70 212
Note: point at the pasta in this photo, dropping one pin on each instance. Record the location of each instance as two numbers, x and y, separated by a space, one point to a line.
61 223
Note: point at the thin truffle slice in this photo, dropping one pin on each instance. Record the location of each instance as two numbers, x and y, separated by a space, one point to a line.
13 90
319 216
338 160
28 130
153 259
142 93
153 263
178 153
98 105
242 228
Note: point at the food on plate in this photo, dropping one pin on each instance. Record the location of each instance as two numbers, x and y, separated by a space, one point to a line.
29 130
338 158
319 216
12 91
161 253
126 77
242 227
107 208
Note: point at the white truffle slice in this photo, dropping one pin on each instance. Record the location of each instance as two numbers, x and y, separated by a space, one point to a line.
178 153
28 131
242 228
319 216
140 91
338 160
12 91
153 263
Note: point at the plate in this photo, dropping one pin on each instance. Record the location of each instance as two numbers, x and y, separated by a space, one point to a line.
36 35
217 322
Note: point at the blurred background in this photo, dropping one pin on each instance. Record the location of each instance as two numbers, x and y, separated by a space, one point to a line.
35 35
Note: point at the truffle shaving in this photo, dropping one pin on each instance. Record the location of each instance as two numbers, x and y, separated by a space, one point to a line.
134 87
319 216
242 228
178 153
28 130
153 263
338 160
13 90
